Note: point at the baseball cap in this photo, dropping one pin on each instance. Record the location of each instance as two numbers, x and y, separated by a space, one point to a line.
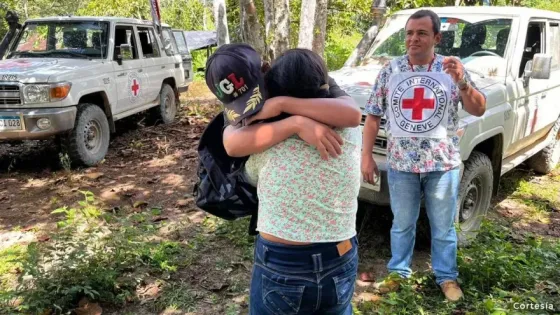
233 74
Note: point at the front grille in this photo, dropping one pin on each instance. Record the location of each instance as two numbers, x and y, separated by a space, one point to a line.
381 143
10 95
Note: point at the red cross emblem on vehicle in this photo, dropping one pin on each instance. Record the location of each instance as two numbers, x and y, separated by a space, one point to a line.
418 103
135 87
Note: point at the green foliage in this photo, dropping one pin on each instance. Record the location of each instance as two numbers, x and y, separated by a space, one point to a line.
92 254
338 47
495 272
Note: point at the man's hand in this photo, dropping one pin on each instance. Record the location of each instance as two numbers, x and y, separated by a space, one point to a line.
454 68
326 140
271 108
370 172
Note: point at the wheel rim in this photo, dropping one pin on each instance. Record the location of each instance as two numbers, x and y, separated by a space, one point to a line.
471 201
93 136
168 107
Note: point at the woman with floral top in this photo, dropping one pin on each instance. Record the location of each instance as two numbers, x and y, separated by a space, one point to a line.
306 252
420 93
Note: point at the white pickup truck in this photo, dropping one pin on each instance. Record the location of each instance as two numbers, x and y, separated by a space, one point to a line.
513 55
73 77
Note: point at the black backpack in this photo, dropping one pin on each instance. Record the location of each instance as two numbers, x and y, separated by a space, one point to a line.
222 188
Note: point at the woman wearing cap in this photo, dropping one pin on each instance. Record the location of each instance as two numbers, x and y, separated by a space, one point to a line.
306 253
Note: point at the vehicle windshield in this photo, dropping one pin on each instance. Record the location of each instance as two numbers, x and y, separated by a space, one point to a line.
83 39
467 37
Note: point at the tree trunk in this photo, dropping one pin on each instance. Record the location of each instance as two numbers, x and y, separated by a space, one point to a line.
204 16
281 41
362 48
268 29
307 23
378 9
220 19
320 31
251 29
277 26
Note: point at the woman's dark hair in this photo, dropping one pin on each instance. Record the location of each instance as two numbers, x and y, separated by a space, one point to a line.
298 73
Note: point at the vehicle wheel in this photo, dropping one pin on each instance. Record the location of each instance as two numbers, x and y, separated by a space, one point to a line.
88 142
546 160
167 108
475 194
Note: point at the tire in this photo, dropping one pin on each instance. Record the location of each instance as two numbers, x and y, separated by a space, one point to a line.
167 108
88 142
546 160
475 195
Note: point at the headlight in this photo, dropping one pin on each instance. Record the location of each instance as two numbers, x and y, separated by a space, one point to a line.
44 93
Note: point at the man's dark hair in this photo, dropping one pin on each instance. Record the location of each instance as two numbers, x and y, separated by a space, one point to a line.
298 73
436 23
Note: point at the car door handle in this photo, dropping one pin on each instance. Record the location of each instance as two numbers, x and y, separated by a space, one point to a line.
543 95
121 74
140 70
163 67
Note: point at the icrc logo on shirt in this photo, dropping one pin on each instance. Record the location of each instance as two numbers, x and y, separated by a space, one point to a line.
419 104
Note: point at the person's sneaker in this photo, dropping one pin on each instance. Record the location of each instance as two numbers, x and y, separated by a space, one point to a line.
451 290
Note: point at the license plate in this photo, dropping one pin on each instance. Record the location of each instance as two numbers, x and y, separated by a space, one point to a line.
11 123
375 187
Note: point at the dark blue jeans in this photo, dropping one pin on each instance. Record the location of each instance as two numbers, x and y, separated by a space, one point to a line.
308 279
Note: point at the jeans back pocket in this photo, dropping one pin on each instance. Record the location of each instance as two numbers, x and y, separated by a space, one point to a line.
281 299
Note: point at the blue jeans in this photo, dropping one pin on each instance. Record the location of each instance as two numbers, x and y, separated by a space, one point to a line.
307 279
440 191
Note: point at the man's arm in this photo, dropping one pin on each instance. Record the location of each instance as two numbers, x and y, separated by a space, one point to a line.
259 137
474 102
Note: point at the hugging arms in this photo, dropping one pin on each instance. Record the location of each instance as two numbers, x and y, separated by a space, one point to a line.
311 120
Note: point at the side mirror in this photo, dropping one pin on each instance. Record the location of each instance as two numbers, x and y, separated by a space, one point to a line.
125 53
539 68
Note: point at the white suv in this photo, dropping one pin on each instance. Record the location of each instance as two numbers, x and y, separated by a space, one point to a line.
73 77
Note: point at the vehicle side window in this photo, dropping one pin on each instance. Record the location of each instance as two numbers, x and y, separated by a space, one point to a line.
181 42
124 35
169 40
555 43
534 43
148 42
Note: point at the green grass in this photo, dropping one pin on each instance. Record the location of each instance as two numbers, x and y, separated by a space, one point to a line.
176 296
495 273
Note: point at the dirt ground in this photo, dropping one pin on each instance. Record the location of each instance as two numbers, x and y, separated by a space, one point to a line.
155 165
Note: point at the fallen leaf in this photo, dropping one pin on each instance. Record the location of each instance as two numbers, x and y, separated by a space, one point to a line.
43 238
182 202
369 297
28 228
139 204
88 308
94 176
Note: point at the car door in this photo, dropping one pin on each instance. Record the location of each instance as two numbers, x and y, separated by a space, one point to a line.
185 54
129 76
551 110
528 108
156 63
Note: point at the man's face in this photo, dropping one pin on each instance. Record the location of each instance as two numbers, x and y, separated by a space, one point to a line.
420 37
